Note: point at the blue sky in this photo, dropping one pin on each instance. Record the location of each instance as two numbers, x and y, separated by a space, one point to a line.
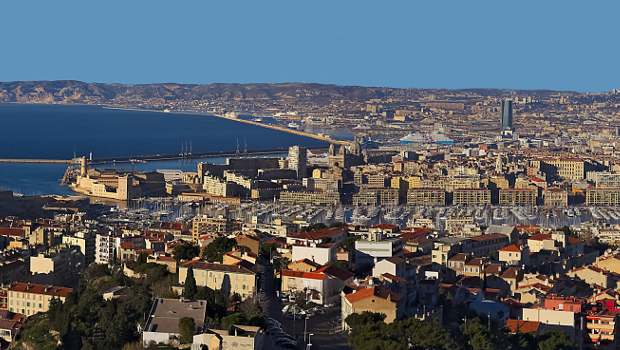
445 44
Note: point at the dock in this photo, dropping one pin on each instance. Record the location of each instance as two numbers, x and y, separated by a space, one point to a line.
152 158
285 129
35 161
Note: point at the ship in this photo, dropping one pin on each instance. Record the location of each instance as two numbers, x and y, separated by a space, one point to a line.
436 137
440 138
413 138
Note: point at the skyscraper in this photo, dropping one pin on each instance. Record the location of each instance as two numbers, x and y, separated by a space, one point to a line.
298 160
506 115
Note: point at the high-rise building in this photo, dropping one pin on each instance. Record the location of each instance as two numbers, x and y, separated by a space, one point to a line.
507 114
298 160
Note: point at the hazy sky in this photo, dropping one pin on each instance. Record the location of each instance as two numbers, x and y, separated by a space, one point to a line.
414 43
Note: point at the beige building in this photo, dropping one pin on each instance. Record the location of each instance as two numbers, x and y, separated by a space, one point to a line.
603 196
307 197
426 196
566 168
611 264
372 299
218 187
366 198
228 279
539 242
470 196
512 254
206 224
518 197
237 338
555 197
30 298
85 241
594 276
57 260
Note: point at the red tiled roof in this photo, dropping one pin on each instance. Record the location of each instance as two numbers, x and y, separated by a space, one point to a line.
319 234
510 248
489 237
376 291
35 288
337 272
307 275
540 237
202 265
520 326
511 272
12 231
386 226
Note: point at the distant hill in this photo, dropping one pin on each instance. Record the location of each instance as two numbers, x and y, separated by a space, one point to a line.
71 91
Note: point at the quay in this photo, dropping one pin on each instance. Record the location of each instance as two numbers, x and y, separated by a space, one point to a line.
36 161
160 157
155 157
285 129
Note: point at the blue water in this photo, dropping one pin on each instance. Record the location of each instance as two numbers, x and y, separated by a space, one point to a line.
59 132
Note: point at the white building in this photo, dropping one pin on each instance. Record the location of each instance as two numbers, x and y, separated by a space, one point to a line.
320 254
105 248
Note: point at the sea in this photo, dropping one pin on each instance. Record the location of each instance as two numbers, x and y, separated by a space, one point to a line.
36 131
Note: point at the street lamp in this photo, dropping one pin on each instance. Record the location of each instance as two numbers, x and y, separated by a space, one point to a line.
305 325
309 346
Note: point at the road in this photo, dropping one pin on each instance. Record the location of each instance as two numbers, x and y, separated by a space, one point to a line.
325 327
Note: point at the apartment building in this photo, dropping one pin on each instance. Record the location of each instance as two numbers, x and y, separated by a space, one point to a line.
567 168
30 298
426 196
85 241
308 197
603 196
105 248
518 197
555 197
237 279
470 196
206 224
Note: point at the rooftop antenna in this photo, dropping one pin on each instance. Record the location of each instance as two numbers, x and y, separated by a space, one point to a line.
245 145
237 145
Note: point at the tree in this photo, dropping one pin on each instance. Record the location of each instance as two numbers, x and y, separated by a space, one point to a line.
56 315
232 319
186 251
215 250
187 327
478 337
555 340
427 334
369 332
365 318
521 341
189 289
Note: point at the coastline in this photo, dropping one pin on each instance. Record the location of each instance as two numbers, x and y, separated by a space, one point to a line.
279 128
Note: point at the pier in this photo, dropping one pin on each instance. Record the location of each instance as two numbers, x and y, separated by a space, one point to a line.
155 157
287 130
161 157
35 161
